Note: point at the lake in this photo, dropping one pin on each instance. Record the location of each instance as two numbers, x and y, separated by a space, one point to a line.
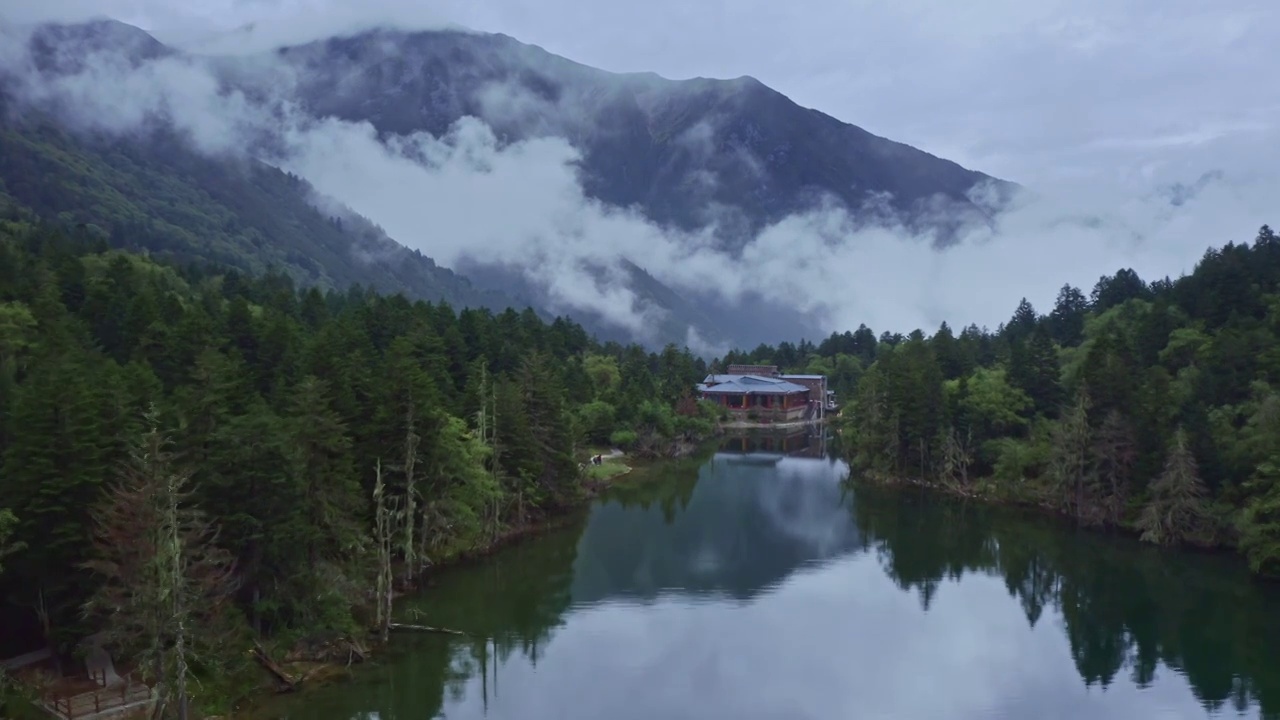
758 585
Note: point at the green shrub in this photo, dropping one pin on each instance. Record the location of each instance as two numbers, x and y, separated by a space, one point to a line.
623 439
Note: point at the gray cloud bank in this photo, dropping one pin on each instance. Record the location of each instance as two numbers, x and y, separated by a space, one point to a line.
464 195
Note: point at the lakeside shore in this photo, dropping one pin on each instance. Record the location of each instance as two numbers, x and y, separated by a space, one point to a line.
622 469
1030 502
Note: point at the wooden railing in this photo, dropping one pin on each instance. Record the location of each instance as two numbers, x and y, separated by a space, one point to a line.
97 701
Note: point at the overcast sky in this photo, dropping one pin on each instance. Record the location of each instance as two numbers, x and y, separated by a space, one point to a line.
1031 90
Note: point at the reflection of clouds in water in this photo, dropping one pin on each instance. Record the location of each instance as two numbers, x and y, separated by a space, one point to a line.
706 561
805 502
749 521
837 641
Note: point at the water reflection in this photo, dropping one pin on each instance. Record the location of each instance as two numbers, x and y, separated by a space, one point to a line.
733 529
753 585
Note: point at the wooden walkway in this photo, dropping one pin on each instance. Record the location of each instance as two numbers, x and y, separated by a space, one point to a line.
31 658
104 694
102 702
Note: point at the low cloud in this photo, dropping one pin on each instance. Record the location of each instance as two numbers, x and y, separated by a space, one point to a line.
523 204
464 196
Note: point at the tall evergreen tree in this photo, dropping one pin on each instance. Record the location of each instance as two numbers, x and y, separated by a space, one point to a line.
1175 511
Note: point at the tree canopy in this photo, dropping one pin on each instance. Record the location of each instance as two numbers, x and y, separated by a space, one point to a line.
1153 406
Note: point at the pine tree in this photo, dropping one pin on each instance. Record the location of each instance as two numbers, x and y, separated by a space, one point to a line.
1114 452
1023 323
408 413
1066 321
517 462
1175 510
328 503
53 473
1033 368
466 492
1260 521
17 339
550 427
8 524
1070 468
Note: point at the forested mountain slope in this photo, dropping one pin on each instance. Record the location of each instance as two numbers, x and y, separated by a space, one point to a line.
153 192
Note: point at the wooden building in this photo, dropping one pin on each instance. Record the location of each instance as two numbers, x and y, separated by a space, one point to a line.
760 393
757 398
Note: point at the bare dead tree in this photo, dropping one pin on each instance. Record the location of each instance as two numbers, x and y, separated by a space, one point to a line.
410 517
1115 453
165 582
384 532
956 457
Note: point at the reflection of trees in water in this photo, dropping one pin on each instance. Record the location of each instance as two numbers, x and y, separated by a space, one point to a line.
509 606
1124 607
730 528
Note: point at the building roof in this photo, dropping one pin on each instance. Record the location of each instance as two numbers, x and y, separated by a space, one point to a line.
803 377
749 385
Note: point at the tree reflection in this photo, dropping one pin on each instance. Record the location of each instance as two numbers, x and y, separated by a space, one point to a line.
733 530
732 527
1124 607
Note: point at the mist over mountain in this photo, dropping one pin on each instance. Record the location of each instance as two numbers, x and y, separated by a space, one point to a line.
688 153
155 193
702 212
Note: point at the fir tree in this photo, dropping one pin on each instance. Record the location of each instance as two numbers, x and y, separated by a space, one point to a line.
1175 510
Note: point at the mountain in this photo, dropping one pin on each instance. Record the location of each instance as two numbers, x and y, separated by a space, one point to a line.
732 156
159 195
686 152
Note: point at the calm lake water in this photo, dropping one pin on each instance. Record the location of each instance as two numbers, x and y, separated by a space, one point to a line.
747 586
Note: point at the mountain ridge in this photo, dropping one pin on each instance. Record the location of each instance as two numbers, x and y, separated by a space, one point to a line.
733 155
635 122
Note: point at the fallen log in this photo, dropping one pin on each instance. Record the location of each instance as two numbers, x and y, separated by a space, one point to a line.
355 650
424 628
265 660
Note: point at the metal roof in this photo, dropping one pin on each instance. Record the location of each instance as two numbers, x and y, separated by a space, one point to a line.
804 377
749 385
